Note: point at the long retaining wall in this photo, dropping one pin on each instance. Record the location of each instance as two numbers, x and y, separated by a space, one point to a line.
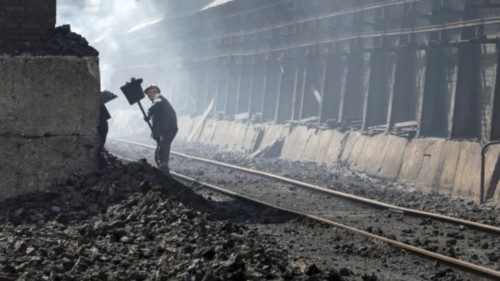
429 164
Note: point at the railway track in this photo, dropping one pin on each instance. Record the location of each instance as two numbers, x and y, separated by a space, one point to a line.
453 261
344 195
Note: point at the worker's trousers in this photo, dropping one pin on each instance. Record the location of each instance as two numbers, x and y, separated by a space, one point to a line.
164 150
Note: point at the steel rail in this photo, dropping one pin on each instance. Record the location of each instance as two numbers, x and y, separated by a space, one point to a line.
363 35
344 195
460 264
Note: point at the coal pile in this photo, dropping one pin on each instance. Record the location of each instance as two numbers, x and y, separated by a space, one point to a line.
62 43
129 222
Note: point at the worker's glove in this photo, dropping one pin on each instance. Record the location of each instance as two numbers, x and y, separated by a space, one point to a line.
147 118
155 137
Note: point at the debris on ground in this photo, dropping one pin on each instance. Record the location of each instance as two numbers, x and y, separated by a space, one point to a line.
344 180
331 247
63 42
130 222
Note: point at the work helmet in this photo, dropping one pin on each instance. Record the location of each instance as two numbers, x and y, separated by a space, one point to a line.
150 87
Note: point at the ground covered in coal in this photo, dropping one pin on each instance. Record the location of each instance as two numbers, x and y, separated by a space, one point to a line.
63 42
130 222
332 247
341 179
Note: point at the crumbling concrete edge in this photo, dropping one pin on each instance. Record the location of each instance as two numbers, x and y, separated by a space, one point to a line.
429 164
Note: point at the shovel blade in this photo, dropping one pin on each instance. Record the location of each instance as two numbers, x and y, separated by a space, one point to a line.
133 91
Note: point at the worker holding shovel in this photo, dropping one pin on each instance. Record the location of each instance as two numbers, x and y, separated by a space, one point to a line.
161 113
164 123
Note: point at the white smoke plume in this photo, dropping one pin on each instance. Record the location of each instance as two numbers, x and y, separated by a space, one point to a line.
104 23
132 42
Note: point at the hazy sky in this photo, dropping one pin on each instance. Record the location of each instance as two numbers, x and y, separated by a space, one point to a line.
103 23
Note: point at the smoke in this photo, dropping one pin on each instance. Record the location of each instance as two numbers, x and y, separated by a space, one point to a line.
134 39
105 24
118 30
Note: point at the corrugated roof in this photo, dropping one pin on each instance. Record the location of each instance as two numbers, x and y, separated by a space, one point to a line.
216 3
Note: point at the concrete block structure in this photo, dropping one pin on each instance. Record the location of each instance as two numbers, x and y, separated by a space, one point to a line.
50 110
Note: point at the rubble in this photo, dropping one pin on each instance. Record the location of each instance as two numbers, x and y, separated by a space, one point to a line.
353 124
331 247
270 151
62 43
130 222
342 179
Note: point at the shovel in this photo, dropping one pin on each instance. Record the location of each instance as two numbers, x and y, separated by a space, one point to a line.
134 94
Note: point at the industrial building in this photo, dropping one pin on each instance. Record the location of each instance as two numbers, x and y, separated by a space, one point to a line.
312 140
404 90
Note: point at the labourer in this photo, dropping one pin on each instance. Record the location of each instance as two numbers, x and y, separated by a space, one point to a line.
164 125
103 127
104 116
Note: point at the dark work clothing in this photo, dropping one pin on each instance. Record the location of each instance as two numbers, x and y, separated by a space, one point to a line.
103 127
164 150
164 122
164 119
102 130
105 116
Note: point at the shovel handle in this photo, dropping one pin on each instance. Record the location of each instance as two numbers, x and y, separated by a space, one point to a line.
145 116
144 113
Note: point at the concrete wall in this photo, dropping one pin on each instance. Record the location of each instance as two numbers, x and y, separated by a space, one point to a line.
48 120
429 164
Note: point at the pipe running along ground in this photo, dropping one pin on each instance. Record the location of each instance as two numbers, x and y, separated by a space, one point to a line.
459 264
364 200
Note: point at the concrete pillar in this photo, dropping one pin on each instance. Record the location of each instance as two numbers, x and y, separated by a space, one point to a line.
245 87
487 109
408 86
336 71
191 94
239 86
212 84
180 92
358 74
466 120
259 84
201 91
495 120
305 83
474 98
312 86
218 80
440 86
322 85
273 80
232 91
300 73
222 90
286 91
251 87
383 65
266 80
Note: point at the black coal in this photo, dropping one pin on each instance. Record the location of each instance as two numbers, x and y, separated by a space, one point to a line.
62 43
129 222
